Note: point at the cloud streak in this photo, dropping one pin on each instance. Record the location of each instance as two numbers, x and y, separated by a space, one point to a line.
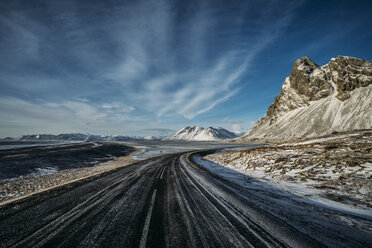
191 79
163 59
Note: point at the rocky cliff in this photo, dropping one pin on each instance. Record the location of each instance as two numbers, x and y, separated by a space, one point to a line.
317 100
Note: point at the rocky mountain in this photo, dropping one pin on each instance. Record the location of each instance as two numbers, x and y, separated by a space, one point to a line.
197 133
317 100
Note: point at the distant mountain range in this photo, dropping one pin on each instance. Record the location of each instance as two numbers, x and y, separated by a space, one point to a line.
188 133
81 137
196 133
318 100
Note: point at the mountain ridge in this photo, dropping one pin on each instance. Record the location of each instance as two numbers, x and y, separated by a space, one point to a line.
197 133
318 100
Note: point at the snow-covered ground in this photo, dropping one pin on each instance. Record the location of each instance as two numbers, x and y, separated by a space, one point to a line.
320 140
335 171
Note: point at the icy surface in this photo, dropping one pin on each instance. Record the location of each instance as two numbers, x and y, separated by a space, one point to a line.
150 149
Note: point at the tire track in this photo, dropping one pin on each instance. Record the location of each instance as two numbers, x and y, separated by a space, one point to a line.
162 202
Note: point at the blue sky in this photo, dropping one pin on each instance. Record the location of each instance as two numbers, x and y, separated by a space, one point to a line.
147 67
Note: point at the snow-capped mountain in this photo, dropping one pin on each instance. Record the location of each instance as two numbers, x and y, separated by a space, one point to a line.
197 133
318 100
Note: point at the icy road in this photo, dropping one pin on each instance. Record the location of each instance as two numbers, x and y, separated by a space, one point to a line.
166 201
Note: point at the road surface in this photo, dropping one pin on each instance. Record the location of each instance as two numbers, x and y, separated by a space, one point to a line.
166 201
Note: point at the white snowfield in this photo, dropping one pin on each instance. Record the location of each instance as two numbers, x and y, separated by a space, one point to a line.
196 133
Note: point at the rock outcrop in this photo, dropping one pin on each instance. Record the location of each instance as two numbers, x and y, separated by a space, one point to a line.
317 100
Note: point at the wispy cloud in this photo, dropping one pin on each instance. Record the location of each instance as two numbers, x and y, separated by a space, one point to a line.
159 58
195 77
22 40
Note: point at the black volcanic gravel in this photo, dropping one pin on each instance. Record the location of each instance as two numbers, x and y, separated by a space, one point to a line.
23 161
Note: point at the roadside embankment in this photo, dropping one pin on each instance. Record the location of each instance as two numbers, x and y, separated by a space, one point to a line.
335 169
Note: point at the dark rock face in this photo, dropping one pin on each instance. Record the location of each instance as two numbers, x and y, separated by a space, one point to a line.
305 83
348 74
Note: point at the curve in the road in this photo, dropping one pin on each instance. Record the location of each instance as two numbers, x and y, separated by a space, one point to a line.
161 202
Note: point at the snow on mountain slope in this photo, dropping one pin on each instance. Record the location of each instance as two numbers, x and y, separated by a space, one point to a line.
318 100
197 133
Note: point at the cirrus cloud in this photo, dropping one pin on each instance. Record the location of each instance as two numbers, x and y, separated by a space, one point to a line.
156 58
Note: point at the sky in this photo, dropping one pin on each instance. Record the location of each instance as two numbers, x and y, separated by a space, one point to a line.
151 67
